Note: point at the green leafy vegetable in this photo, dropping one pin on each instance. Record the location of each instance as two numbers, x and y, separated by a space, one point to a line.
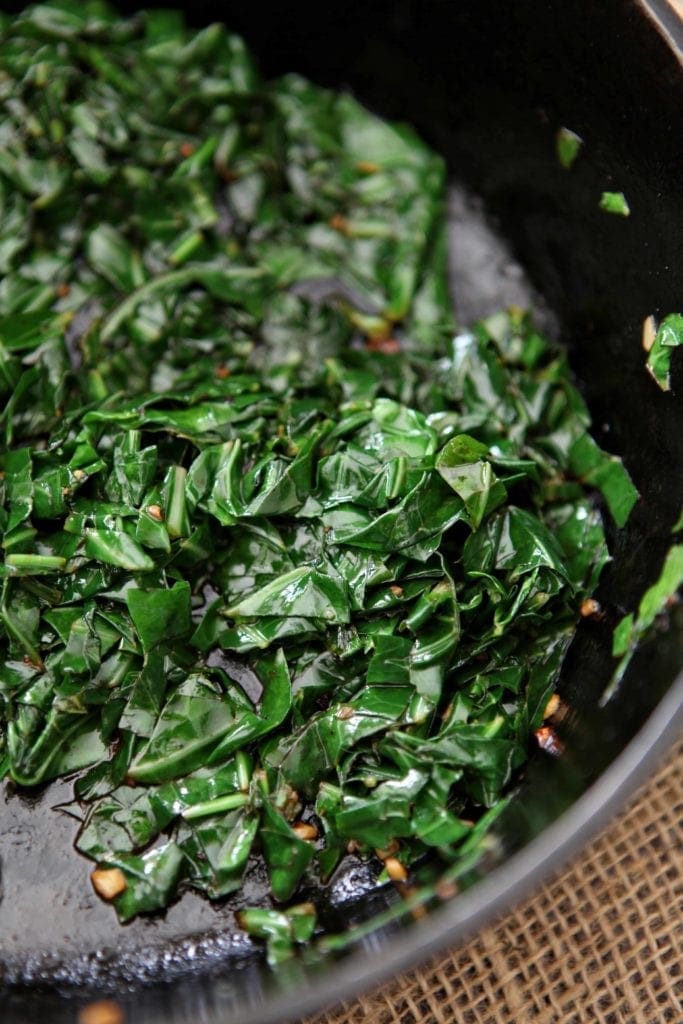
568 146
289 561
632 628
669 335
615 202
280 930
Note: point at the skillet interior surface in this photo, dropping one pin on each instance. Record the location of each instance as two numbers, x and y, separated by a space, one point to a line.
488 88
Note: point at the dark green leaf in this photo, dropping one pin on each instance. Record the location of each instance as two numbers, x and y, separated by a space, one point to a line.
160 614
669 335
568 145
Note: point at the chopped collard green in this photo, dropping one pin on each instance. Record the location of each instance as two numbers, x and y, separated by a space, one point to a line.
660 343
567 146
289 562
616 203
632 628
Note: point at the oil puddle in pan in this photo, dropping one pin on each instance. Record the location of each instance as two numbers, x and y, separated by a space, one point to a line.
54 931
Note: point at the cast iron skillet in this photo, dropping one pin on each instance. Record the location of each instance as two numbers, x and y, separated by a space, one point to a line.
488 84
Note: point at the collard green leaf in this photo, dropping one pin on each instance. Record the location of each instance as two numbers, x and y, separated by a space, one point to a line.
383 814
110 255
286 855
515 542
151 879
304 757
632 628
607 473
193 721
615 202
160 614
217 849
471 478
281 930
669 335
301 593
568 145
126 819
414 525
115 547
38 746
145 697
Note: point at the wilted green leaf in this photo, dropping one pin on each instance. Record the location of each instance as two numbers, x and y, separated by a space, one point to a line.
668 337
568 146
615 202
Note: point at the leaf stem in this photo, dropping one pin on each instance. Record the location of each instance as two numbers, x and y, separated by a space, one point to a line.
222 803
22 563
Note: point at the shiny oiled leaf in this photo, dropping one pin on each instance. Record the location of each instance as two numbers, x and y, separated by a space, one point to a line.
632 628
160 614
669 336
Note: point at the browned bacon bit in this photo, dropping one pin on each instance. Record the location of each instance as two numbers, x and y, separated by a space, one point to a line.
155 512
367 167
552 707
352 846
345 712
305 830
396 590
63 289
79 474
672 601
549 741
387 346
395 870
104 1011
222 372
591 609
187 149
338 222
108 882
447 712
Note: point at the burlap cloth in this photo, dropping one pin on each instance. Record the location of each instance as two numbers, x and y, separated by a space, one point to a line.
601 943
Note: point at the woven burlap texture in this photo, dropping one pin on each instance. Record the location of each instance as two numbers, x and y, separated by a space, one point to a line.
602 943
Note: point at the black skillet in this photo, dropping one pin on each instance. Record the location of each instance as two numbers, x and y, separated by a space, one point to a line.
488 84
